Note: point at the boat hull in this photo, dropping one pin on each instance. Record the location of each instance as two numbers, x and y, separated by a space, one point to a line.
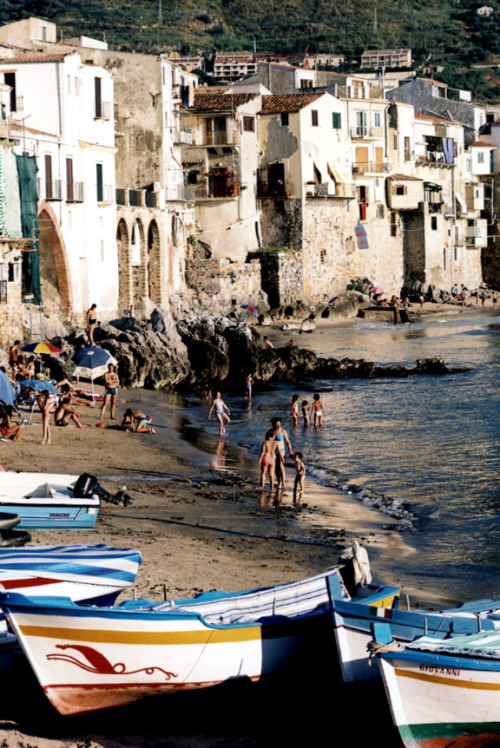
46 501
93 658
437 702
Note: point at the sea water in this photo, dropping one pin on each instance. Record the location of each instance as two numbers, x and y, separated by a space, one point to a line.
424 449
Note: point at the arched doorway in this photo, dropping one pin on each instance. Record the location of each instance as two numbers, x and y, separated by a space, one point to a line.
138 262
154 264
124 267
55 276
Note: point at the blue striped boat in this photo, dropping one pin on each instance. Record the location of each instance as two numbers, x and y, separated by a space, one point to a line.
92 658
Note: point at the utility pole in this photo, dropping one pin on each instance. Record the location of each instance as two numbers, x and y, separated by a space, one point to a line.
375 17
160 15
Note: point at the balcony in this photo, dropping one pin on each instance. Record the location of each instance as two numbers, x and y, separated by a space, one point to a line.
371 167
105 194
175 192
74 192
183 137
53 190
219 137
135 198
102 110
195 192
363 132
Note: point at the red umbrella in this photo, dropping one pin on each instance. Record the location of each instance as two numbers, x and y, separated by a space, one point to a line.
41 346
377 290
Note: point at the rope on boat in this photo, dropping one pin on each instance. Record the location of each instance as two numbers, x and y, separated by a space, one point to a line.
377 648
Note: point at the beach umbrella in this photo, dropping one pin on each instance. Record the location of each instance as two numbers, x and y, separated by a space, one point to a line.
377 291
41 346
250 309
92 363
7 394
38 385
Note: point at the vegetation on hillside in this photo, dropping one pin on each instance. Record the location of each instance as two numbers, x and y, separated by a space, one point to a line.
444 32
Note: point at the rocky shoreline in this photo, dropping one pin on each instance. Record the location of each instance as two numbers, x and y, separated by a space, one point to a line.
214 351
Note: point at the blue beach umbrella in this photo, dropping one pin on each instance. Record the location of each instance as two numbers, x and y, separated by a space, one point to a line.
38 385
92 362
7 394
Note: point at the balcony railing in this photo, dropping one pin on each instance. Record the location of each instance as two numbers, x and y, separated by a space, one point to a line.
364 132
151 199
74 192
53 190
136 198
175 192
183 137
219 137
105 193
102 110
218 192
371 167
121 196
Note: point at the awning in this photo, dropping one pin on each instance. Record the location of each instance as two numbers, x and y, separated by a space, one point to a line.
335 174
433 187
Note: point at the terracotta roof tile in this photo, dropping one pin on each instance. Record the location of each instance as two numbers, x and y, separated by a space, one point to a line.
34 58
288 102
480 144
404 178
219 102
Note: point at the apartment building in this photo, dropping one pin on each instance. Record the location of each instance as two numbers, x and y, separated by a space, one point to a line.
386 58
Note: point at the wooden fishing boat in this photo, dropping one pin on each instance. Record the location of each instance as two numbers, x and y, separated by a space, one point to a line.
84 573
91 658
353 628
444 692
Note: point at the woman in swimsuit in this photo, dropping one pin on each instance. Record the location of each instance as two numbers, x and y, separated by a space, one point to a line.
222 413
318 411
281 440
267 462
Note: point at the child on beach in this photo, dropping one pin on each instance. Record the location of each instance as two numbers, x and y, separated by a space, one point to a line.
249 381
318 411
222 413
305 413
300 472
267 462
295 410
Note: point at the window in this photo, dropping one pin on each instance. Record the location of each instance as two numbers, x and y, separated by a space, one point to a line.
377 120
407 149
248 124
314 117
480 157
434 223
394 225
305 83
395 143
336 120
48 177
10 80
98 97
70 187
284 119
44 33
361 124
100 184
400 189
444 258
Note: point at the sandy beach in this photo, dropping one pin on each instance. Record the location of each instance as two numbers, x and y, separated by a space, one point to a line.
197 531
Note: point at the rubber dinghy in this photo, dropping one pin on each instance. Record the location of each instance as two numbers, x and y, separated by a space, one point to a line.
91 658
443 692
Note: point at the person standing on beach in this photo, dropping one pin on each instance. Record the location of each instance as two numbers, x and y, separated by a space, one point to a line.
222 413
44 402
13 356
295 411
111 384
267 462
249 381
280 437
91 322
300 474
318 411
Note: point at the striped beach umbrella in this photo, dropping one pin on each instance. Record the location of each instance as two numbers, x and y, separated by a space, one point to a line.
41 346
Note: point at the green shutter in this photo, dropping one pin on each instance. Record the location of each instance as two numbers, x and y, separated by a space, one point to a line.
336 120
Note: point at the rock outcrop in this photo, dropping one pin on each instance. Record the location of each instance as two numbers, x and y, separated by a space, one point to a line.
215 351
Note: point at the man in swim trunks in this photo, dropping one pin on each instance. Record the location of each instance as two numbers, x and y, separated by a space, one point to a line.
91 320
318 411
267 462
65 413
111 384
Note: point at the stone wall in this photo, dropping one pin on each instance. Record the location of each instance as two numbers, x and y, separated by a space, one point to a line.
232 284
283 277
11 311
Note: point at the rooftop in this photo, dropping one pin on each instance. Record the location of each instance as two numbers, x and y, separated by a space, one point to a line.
288 102
219 102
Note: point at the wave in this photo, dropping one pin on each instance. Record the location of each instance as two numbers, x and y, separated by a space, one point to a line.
369 497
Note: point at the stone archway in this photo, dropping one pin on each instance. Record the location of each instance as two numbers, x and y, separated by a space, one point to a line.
124 267
55 276
154 264
138 262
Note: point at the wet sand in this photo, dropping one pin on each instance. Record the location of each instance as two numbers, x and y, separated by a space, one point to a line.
198 529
